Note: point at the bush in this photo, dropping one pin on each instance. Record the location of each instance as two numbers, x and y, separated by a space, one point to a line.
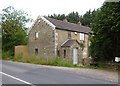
60 62
7 55
108 65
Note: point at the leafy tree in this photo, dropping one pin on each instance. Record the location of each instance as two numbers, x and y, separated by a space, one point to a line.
13 28
105 42
73 17
59 16
88 17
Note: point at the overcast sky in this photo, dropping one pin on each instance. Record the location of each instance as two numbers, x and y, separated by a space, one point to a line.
45 7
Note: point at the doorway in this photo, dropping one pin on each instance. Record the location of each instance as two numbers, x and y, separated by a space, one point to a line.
75 56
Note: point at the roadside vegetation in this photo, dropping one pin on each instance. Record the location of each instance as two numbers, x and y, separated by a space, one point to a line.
63 63
38 60
14 31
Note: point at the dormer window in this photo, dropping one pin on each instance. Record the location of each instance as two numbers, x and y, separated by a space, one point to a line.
82 36
36 35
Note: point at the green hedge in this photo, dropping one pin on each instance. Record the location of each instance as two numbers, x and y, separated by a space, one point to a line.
7 55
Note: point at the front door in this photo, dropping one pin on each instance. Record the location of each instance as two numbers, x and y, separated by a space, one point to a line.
75 56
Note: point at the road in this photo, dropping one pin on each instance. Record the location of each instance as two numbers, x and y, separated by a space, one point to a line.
24 73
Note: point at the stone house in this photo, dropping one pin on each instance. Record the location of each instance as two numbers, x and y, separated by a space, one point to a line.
51 38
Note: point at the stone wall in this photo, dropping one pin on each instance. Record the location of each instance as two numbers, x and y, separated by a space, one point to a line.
69 53
63 36
85 50
44 43
21 50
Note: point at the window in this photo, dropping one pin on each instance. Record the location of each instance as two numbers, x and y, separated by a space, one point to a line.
39 21
82 36
36 51
69 34
64 53
36 35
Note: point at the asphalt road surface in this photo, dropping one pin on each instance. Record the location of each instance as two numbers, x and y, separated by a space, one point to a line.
24 73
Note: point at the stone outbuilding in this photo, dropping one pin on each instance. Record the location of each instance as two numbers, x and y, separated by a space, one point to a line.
21 50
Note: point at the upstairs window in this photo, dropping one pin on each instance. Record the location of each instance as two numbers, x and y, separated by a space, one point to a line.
36 35
82 36
69 34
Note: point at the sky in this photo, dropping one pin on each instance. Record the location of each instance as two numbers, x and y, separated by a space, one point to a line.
45 7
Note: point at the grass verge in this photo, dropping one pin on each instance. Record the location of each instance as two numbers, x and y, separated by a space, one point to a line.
59 62
53 62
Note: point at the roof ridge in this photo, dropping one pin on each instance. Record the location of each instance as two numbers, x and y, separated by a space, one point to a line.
62 21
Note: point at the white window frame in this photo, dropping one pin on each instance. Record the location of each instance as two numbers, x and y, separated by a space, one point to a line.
36 35
82 36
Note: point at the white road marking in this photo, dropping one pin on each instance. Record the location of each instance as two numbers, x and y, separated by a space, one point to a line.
16 78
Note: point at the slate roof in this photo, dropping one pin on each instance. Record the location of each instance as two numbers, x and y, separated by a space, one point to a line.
69 42
69 26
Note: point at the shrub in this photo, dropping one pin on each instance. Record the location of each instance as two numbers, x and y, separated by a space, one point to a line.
7 55
60 62
42 61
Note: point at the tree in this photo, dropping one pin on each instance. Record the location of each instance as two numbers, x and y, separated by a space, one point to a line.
73 17
59 16
106 32
88 17
13 28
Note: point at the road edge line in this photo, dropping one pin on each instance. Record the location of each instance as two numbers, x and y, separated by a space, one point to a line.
16 78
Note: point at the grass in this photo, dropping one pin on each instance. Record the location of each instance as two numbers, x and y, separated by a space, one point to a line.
53 62
57 62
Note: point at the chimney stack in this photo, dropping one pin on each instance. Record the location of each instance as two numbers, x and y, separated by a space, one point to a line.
79 23
65 20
